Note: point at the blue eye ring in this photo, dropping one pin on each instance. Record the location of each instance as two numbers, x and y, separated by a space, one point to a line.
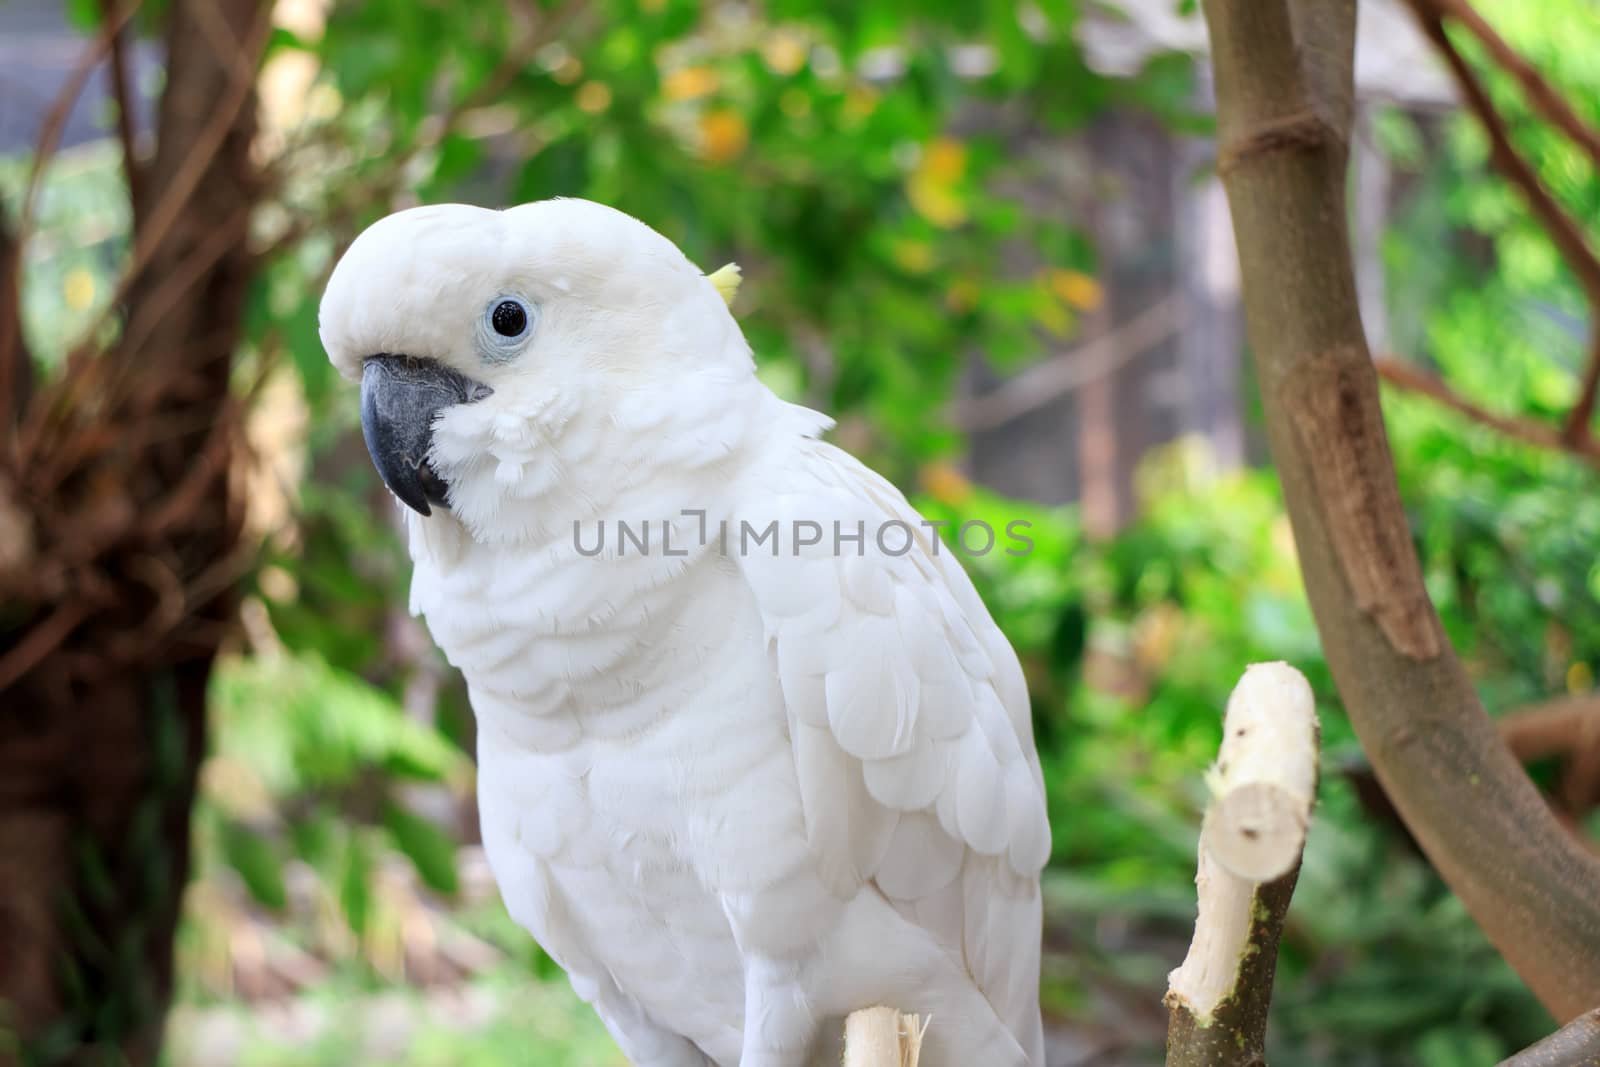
508 322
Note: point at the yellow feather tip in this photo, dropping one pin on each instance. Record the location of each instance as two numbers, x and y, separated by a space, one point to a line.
726 279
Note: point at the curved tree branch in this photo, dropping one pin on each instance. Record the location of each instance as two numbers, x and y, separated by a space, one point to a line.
1564 230
16 363
1568 727
1551 727
1543 96
1437 753
122 91
55 120
1061 374
1567 234
1576 1044
1415 379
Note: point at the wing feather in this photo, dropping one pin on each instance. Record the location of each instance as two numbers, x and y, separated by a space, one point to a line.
912 735
847 832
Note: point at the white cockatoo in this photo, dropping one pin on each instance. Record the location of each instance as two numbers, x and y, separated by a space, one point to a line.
752 753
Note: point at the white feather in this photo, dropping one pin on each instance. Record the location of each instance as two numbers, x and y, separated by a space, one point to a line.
736 791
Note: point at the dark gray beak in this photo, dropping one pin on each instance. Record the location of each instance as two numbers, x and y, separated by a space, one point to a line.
400 399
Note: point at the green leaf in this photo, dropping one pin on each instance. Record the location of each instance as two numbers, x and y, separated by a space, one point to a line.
255 857
1459 1046
355 884
83 15
300 723
429 848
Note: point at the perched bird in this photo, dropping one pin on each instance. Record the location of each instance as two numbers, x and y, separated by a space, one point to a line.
752 753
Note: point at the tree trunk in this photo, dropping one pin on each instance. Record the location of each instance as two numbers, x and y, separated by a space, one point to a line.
118 590
1283 119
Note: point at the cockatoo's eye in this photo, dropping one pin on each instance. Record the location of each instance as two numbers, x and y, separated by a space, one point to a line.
509 318
506 326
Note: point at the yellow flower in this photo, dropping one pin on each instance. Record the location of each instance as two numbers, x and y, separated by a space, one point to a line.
1076 288
939 204
945 160
933 187
593 97
723 135
946 484
784 52
690 83
914 257
1580 677
78 288
1053 316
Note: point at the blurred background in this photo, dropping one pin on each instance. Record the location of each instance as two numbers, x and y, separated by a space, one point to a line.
992 243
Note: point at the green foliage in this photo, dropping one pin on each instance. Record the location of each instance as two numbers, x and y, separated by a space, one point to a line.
300 724
426 845
815 144
1507 532
507 1021
1131 648
304 749
257 862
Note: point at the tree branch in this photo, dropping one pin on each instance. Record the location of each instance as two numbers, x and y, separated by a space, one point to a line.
1412 378
1564 231
1576 430
1325 40
1564 728
1576 1044
1543 96
181 171
1568 236
1249 858
55 120
168 254
122 90
1568 727
1437 753
1061 374
1551 727
16 362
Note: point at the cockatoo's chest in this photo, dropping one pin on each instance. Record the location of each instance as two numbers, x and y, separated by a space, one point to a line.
565 653
634 772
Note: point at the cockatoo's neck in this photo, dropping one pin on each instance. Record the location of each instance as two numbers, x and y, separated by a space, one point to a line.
526 475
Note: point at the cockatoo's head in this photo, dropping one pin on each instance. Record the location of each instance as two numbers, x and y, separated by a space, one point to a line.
481 337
